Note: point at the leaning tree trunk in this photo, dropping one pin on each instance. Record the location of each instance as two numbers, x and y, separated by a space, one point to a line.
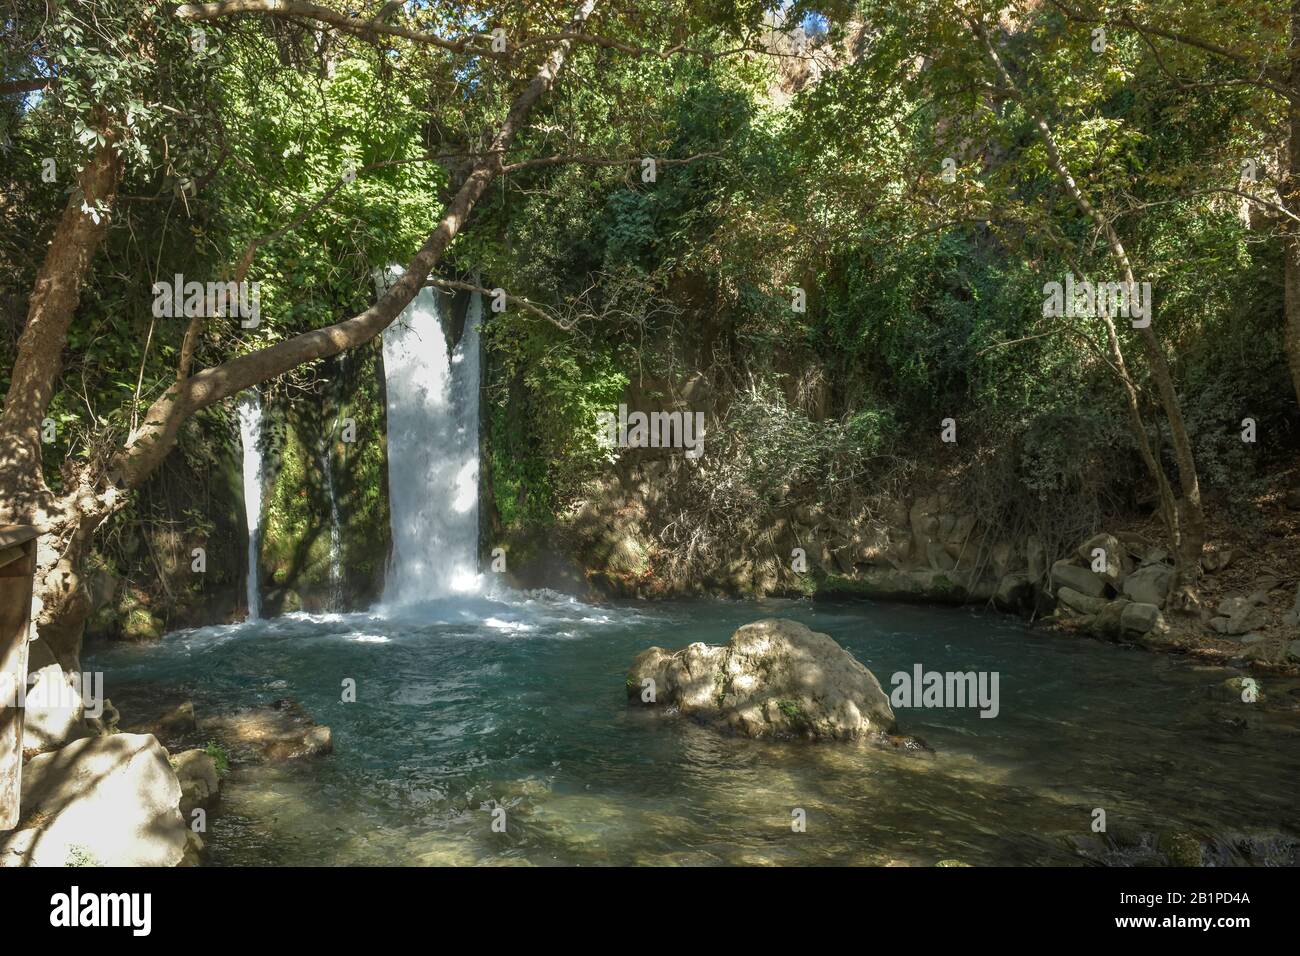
58 601
72 519
55 295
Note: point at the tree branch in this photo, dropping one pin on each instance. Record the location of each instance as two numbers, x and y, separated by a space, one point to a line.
145 448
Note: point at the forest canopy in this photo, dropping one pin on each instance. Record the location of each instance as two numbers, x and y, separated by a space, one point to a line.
842 216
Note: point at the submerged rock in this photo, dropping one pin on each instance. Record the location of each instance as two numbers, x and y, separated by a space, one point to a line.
282 731
200 783
774 678
101 801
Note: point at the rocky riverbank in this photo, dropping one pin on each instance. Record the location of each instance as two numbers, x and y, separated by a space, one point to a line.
1112 584
94 794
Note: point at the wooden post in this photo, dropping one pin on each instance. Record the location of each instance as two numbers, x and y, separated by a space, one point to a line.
17 566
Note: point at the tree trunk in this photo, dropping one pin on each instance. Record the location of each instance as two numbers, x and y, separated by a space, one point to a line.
53 304
24 496
1189 529
1290 193
70 522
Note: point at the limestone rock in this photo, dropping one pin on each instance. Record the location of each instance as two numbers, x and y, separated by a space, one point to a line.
1080 602
1066 574
110 801
1149 584
1138 618
1036 558
1114 556
1292 617
774 678
54 713
1015 591
1240 615
196 771
1217 560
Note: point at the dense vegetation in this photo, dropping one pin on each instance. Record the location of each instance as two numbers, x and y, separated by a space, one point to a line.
912 167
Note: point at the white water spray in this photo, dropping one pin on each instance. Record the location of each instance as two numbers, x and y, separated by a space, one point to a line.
336 569
433 401
250 437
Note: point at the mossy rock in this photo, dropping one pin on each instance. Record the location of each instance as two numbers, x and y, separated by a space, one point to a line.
140 625
1181 848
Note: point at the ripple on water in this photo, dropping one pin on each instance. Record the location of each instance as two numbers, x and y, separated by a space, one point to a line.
517 701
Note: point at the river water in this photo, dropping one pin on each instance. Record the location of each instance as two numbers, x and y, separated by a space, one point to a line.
471 703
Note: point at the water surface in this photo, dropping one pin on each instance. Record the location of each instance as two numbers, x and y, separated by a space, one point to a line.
469 704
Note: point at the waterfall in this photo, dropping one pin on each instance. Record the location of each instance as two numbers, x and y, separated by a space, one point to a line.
433 400
250 437
336 570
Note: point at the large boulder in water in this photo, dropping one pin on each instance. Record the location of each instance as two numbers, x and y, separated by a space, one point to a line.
774 678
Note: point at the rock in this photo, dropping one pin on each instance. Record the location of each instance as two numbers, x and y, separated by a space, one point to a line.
1036 558
873 545
1292 617
1138 618
108 801
938 557
1233 605
1080 602
140 625
956 532
940 587
1015 591
196 771
1108 622
1002 556
1216 560
1236 688
1180 848
54 714
1149 584
1244 620
107 722
774 678
1114 556
282 731
1065 574
1265 651
175 724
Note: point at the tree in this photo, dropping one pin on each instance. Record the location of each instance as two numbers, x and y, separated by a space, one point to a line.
122 114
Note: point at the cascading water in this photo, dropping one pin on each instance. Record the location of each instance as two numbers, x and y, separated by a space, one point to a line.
250 437
336 570
433 402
